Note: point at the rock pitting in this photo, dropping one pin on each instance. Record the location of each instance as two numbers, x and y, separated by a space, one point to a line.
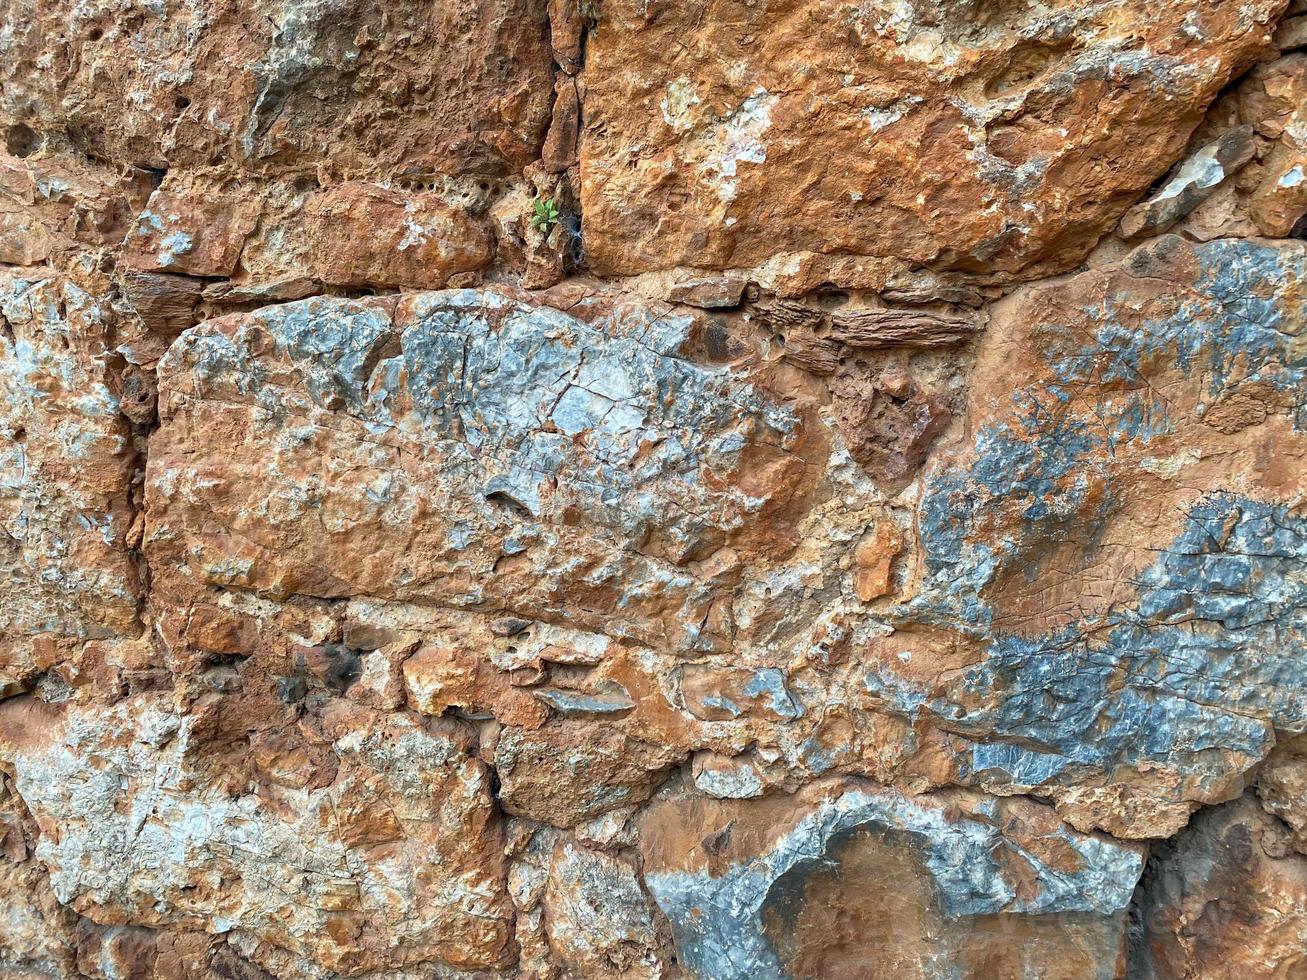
597 489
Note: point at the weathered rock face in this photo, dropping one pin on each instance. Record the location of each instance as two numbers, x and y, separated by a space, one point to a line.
1225 898
560 490
456 88
1119 543
65 487
842 875
395 862
985 137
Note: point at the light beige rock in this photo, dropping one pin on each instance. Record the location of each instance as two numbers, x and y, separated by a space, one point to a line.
597 916
393 863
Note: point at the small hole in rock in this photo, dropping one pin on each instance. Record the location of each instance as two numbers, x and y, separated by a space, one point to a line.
181 102
21 140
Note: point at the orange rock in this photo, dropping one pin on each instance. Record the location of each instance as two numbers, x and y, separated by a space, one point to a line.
875 561
1002 144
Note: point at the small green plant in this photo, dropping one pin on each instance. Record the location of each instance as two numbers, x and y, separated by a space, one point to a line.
546 214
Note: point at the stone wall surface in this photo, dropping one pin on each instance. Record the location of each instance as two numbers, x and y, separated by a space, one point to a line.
606 489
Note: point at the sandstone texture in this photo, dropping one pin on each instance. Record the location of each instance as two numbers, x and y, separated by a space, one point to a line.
597 489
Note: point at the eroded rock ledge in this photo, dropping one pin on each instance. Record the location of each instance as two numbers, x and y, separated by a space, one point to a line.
634 490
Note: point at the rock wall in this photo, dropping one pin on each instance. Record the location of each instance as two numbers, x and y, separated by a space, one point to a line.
614 489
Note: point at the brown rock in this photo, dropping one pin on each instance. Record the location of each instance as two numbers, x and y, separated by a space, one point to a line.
710 293
889 434
821 884
359 88
1224 899
190 227
570 772
115 951
721 693
1282 788
559 151
164 303
566 29
1193 182
1269 197
361 234
438 678
547 626
227 491
36 931
1092 456
875 561
1005 142
52 204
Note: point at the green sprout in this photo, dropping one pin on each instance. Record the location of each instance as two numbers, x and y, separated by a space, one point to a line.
546 214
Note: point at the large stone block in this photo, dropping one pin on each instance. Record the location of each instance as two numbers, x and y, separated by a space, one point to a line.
395 862
989 137
1119 548
471 450
845 875
66 461
455 87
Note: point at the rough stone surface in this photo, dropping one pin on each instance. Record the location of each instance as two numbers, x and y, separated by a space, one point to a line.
454 88
818 886
396 862
988 137
1224 898
557 489
65 487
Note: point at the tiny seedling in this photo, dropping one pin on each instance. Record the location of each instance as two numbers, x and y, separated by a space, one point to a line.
546 214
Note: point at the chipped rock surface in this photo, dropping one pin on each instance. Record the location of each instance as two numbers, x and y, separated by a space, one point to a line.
575 489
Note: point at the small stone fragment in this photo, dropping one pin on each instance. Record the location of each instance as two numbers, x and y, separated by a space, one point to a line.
1196 179
875 561
710 293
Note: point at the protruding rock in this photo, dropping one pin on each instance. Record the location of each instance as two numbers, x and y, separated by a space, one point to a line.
1282 788
875 560
711 292
570 772
1194 182
597 916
